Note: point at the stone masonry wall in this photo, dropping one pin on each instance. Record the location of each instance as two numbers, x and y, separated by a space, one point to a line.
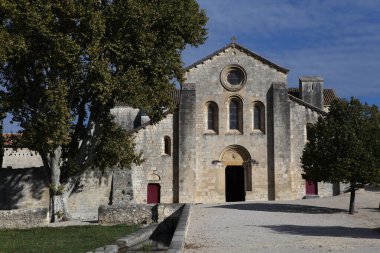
28 189
24 218
23 188
187 144
300 117
126 116
158 166
135 213
94 190
21 158
209 178
122 188
281 141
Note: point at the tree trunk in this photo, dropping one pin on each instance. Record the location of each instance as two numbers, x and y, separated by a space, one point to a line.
352 199
60 207
59 194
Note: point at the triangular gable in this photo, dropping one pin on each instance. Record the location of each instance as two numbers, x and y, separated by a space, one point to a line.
243 49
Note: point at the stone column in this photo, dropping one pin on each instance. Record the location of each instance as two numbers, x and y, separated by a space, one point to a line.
187 144
281 141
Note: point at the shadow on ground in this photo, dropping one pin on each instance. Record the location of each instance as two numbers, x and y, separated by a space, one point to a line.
334 231
281 208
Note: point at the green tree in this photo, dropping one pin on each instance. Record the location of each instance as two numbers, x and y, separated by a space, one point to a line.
344 146
64 64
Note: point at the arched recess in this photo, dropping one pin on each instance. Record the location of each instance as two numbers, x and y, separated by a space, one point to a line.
236 155
153 177
258 116
211 117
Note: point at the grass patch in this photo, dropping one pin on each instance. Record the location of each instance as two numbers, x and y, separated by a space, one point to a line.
72 239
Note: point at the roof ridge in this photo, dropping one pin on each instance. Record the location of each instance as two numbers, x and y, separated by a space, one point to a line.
310 106
245 50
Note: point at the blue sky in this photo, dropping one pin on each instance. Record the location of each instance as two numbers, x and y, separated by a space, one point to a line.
338 40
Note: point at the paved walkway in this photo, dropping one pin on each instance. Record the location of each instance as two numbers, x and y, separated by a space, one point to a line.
313 225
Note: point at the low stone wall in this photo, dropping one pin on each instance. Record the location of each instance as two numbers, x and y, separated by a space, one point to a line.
135 213
24 218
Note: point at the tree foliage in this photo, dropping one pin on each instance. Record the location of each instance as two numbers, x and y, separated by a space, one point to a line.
64 64
344 146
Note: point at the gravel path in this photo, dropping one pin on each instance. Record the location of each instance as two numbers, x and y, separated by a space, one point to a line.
313 225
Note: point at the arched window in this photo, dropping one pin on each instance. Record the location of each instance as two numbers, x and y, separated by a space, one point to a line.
167 145
259 116
212 117
236 114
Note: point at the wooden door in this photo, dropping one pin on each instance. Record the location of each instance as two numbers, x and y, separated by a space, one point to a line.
311 188
153 194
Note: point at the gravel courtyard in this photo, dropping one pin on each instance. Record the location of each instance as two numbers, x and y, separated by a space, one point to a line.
312 225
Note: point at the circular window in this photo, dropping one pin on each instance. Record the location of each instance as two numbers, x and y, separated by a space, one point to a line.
233 77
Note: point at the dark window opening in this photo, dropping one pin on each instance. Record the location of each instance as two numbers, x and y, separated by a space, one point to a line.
234 77
234 115
210 118
167 148
257 117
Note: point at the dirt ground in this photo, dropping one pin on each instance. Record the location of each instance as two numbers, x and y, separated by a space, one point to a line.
311 225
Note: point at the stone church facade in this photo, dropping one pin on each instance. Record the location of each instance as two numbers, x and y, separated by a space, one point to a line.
237 134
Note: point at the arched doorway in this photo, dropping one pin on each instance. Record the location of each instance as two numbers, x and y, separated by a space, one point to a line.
238 172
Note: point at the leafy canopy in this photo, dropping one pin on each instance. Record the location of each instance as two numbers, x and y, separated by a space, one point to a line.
64 64
344 146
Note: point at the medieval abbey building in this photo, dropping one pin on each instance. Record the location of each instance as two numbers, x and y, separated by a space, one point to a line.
237 134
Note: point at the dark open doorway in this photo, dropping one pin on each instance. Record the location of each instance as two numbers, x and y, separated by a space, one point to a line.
235 183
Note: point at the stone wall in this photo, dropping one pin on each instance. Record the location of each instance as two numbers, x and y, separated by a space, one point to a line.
122 188
94 190
21 158
28 189
201 171
158 166
24 218
135 213
300 117
127 117
23 188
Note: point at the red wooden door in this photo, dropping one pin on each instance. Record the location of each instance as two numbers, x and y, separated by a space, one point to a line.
153 194
311 188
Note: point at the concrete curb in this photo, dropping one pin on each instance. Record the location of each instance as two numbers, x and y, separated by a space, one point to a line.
136 237
178 242
128 241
